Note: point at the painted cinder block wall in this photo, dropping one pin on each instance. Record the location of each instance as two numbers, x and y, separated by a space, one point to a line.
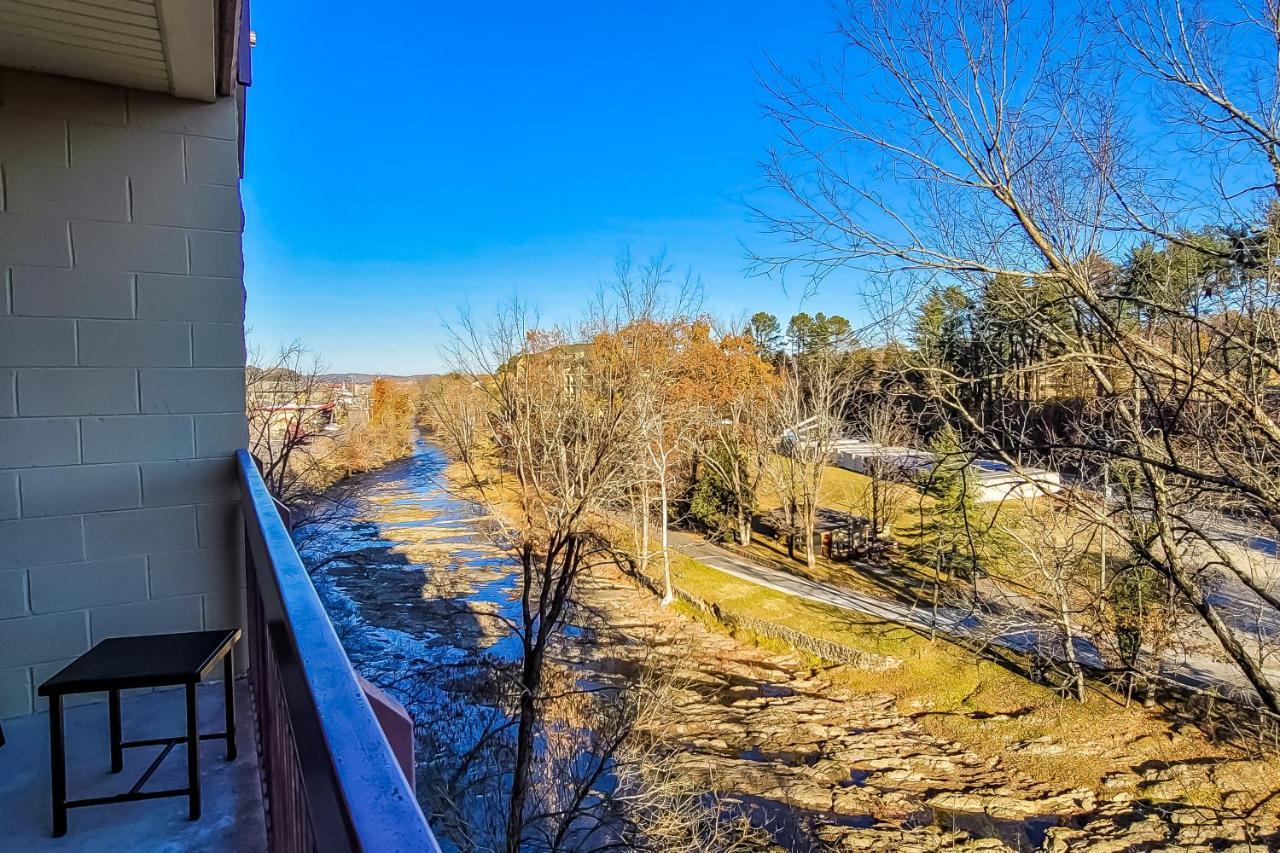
121 370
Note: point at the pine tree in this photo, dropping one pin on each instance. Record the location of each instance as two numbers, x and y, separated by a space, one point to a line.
939 333
959 538
766 333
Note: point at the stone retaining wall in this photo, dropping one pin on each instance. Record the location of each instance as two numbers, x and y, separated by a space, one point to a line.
828 650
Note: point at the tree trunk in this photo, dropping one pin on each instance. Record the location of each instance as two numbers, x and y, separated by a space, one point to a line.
791 530
1257 677
744 527
1193 592
530 677
876 522
668 594
644 529
937 586
1073 666
810 555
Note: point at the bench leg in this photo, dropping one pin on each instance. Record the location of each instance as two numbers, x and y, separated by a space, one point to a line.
229 697
117 752
193 756
58 766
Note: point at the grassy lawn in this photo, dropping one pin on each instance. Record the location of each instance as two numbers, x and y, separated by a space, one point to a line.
901 577
846 490
1041 523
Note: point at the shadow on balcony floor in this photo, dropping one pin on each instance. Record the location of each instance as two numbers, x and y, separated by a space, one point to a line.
231 798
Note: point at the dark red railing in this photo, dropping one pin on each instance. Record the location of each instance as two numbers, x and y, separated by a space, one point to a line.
330 780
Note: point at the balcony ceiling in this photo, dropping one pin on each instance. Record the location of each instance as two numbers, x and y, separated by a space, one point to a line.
158 45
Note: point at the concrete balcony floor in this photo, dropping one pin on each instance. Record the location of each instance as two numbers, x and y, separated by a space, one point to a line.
231 798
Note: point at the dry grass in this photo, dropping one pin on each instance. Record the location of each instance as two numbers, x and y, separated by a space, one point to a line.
843 490
850 491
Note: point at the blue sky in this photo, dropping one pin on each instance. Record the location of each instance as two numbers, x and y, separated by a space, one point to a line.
406 159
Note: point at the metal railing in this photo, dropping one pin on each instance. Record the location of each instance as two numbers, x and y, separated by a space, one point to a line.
330 780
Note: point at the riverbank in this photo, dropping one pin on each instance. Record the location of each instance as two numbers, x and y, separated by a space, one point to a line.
983 703
1115 764
1119 752
827 757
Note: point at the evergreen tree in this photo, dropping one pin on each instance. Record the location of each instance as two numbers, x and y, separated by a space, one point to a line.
939 334
800 333
819 333
766 333
713 503
959 538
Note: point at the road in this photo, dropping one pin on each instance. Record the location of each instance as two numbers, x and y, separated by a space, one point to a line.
1019 633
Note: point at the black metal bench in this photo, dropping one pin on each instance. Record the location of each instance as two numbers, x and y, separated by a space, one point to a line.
124 663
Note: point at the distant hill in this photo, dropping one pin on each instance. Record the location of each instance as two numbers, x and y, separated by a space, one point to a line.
364 378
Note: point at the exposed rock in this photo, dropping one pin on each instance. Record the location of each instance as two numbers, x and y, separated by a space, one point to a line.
1116 828
847 767
1119 779
890 839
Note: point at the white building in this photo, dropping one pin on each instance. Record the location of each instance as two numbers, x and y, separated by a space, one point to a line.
995 480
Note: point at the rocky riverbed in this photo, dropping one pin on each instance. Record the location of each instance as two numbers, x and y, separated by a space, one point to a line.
420 594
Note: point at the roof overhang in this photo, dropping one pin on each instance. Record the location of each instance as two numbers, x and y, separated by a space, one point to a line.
188 48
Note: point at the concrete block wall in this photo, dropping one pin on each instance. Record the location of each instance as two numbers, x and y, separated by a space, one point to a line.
121 370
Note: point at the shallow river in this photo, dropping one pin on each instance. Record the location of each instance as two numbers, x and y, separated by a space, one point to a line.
419 596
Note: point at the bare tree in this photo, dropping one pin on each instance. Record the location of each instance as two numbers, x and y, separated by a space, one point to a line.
888 491
644 338
457 407
1054 560
284 398
1007 142
810 404
559 436
664 429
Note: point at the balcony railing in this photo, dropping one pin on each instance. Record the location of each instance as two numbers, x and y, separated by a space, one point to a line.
330 779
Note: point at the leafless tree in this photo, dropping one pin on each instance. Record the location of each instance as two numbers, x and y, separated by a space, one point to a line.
612 777
642 338
993 142
1054 560
811 401
559 439
888 491
283 393
457 407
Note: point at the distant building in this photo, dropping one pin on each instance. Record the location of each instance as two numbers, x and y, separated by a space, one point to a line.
569 359
993 480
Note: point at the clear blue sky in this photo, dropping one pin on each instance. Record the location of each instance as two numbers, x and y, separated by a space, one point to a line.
405 159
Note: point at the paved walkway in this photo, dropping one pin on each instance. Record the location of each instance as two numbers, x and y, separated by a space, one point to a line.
949 621
1194 670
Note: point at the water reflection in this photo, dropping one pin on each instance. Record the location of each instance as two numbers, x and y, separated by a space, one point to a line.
408 558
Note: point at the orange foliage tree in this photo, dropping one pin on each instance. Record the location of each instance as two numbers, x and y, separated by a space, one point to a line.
729 387
391 413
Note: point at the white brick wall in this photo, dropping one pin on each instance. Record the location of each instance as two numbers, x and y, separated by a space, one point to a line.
121 370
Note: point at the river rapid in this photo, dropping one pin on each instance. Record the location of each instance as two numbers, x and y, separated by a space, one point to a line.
422 600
